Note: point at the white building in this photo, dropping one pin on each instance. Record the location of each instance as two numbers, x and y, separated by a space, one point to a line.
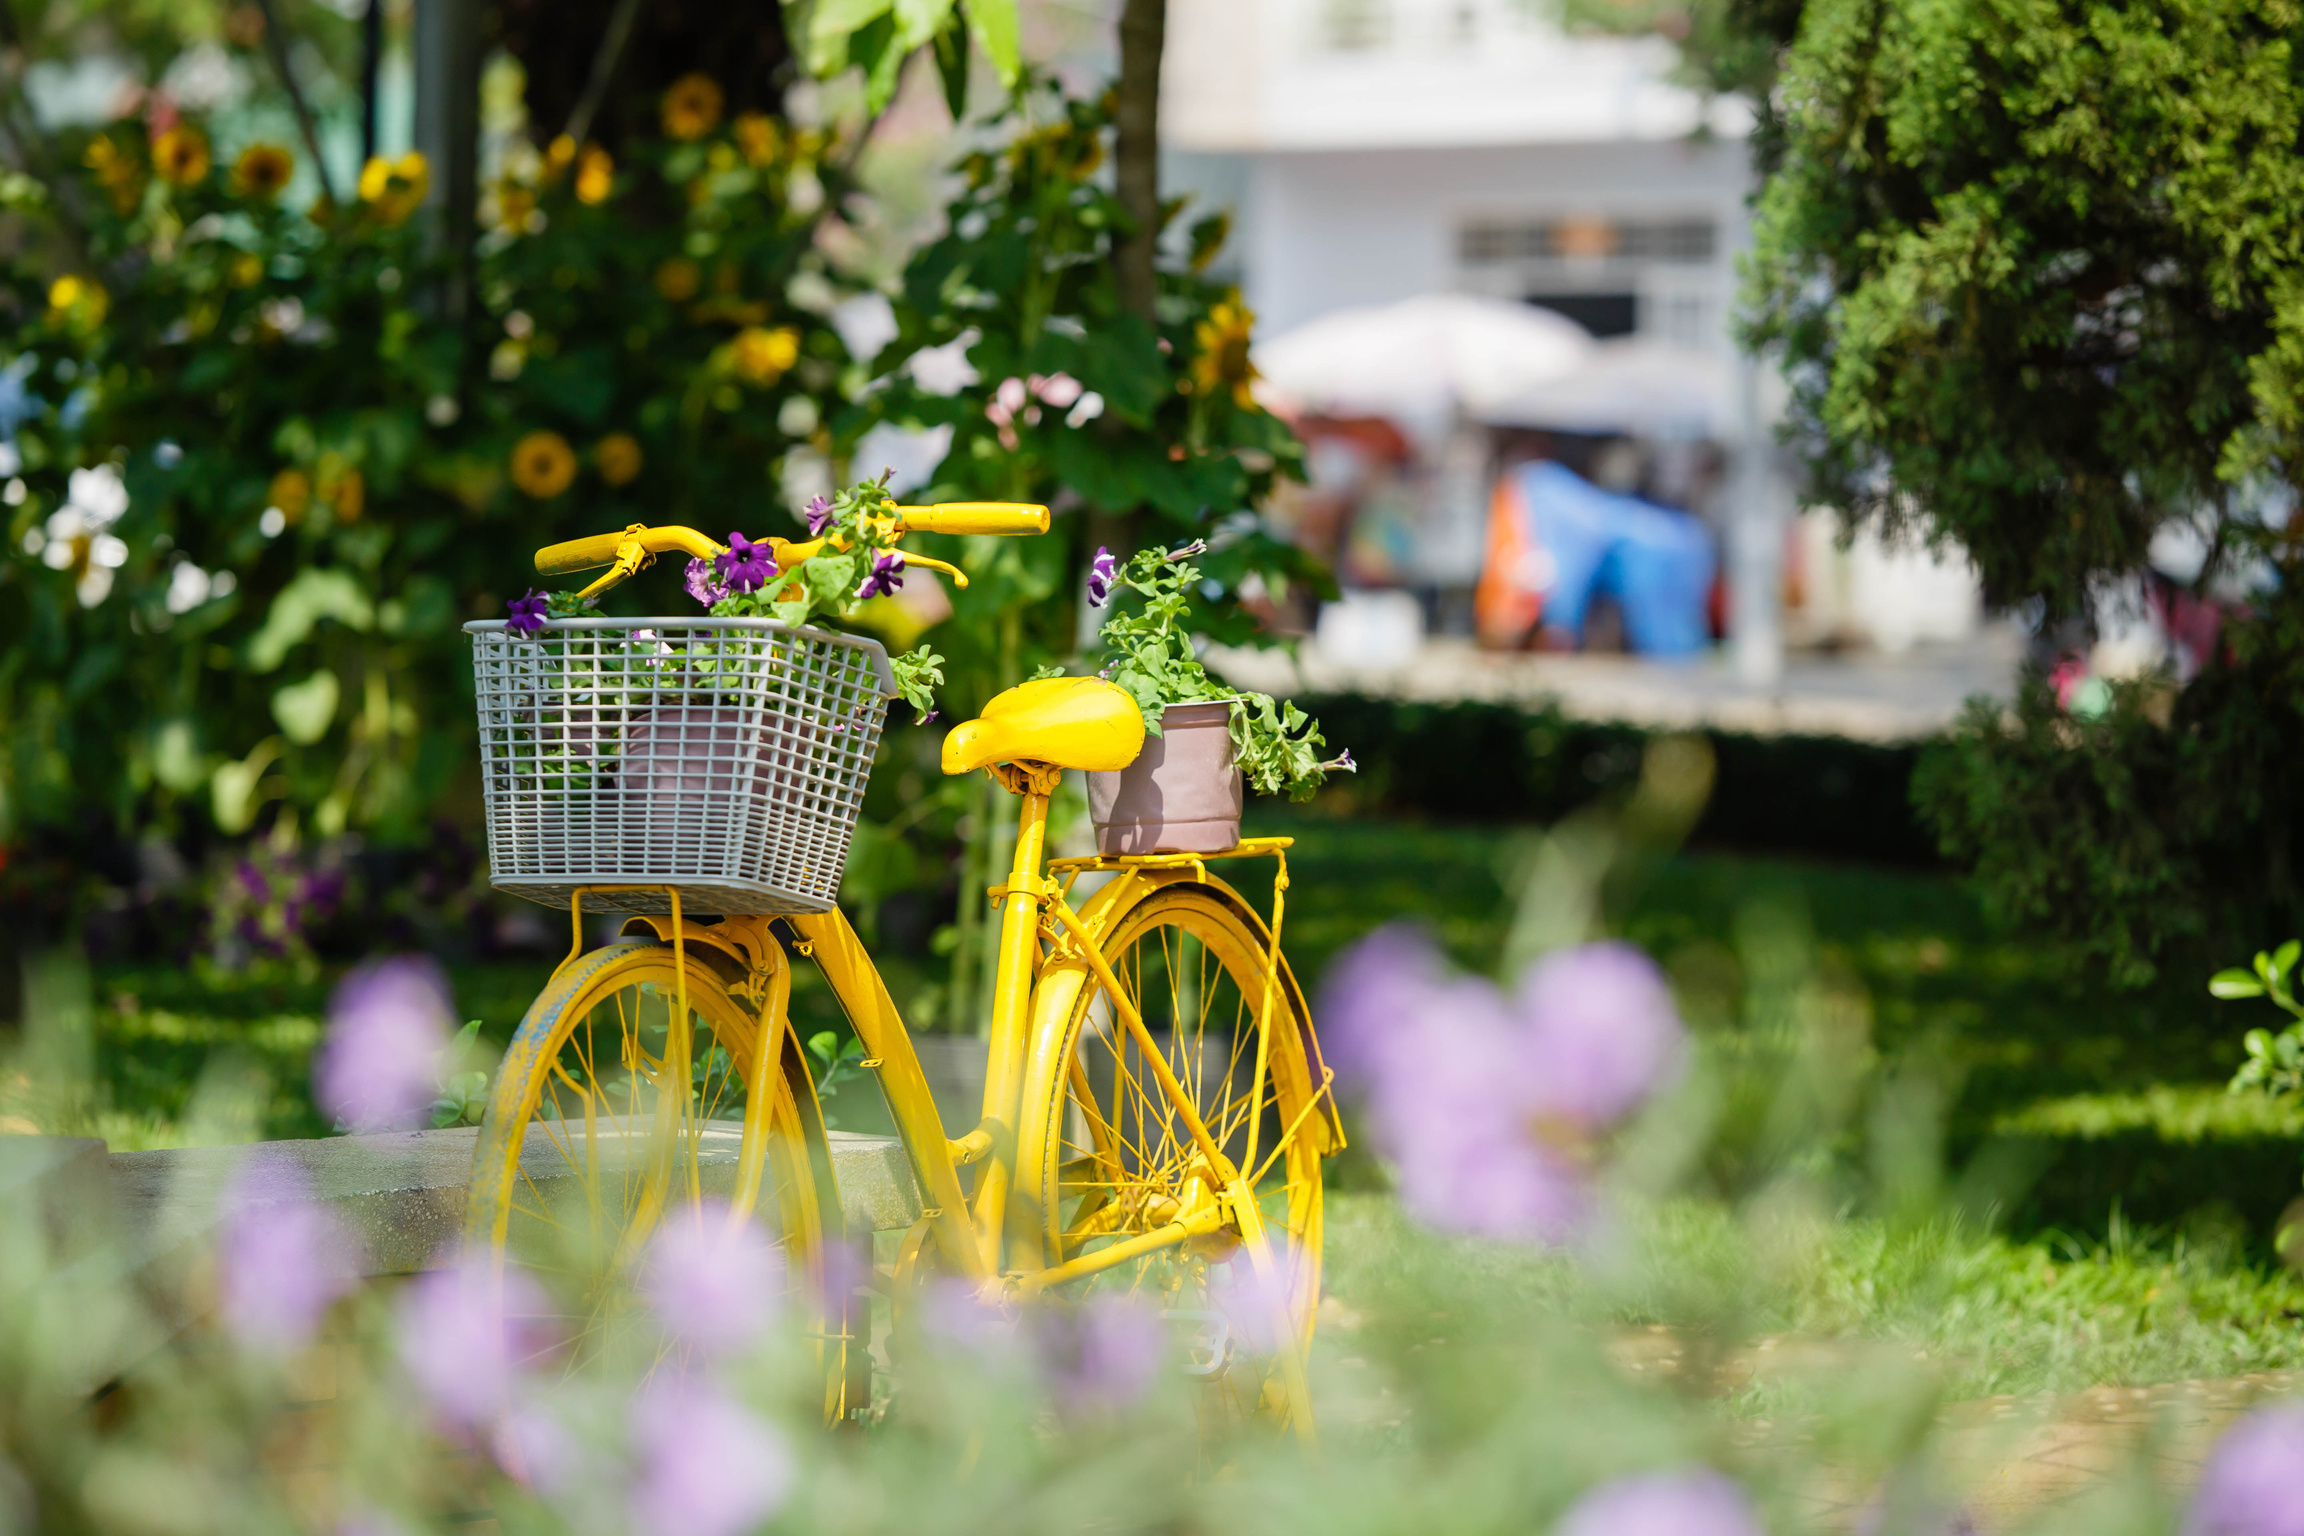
1378 149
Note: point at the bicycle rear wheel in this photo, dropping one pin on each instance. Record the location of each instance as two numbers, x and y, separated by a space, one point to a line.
614 1112
1105 1155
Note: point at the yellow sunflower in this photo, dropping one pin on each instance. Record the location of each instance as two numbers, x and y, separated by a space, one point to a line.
262 171
595 175
341 487
80 302
678 279
617 457
692 107
291 492
761 356
181 156
1222 362
395 188
118 171
543 465
756 136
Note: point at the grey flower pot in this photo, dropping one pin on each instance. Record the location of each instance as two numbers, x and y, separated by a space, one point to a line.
1181 795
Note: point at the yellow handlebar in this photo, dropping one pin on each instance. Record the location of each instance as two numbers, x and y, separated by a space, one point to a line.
626 552
994 517
603 548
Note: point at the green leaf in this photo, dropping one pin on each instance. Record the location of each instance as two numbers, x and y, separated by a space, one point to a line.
823 1043
952 68
306 709
2284 958
995 27
832 25
2234 983
311 596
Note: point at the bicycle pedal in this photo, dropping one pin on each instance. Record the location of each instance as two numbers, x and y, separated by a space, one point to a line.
1210 1346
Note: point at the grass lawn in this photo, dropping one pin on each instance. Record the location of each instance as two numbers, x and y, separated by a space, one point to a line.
2133 1247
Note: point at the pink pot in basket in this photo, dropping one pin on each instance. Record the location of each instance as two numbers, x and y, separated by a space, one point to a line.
1181 795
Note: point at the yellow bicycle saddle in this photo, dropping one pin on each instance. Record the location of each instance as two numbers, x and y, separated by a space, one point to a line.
1072 722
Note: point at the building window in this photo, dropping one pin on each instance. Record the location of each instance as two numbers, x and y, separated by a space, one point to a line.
1672 240
1603 314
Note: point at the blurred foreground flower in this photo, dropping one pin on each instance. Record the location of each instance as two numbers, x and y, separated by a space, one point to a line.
706 1466
714 1282
1104 1354
283 1258
2253 1484
378 1070
1489 1107
1693 1503
466 1334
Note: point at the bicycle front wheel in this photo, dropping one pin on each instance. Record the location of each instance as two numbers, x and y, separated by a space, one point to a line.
616 1111
1105 1153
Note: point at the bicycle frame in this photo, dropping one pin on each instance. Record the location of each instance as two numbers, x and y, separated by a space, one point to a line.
973 1237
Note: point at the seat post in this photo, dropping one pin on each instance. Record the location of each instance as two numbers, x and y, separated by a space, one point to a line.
1012 995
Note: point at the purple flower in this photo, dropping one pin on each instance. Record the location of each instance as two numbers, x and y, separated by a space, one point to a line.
2253 1484
704 584
527 613
1604 1029
706 1465
387 1024
955 1318
1698 1502
465 1335
1488 1106
283 1259
1102 572
746 566
535 1449
1260 1305
1340 763
819 515
715 1282
887 574
1105 1354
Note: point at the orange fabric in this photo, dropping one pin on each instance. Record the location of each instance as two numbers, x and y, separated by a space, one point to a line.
1504 608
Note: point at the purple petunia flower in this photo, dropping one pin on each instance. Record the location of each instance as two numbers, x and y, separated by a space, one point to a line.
715 1283
527 613
707 1465
887 574
2253 1484
704 584
1699 1502
819 514
466 1333
1258 1304
747 566
1102 572
1105 1354
377 1070
1488 1105
283 1259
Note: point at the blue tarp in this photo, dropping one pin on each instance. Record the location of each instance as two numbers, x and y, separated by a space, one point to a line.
1656 563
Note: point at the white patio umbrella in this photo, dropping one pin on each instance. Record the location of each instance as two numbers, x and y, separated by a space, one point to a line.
1423 358
1635 386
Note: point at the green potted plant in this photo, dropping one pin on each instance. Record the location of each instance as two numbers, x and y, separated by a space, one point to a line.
1205 740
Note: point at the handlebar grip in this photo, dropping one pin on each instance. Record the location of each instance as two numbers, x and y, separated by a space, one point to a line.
994 517
578 554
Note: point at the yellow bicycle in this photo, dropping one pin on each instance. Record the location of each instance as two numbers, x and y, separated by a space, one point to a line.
1155 1109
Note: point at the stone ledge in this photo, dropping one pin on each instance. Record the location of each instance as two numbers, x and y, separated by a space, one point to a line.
402 1195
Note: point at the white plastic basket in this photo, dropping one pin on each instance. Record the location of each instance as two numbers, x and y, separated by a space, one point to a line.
725 758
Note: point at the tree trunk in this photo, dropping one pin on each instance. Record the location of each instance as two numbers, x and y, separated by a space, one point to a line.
1136 152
